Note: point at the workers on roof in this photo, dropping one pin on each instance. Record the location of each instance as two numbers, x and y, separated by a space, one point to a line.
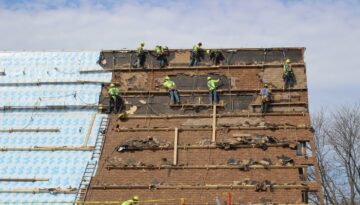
288 74
171 87
212 85
141 56
196 54
215 56
115 101
161 54
132 201
265 98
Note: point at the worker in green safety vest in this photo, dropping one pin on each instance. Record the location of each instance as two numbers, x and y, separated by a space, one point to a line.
132 201
288 74
215 56
171 87
196 54
141 56
212 85
115 101
161 54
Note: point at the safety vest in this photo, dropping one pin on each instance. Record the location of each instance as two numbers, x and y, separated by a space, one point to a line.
128 202
169 84
140 50
287 68
114 91
212 84
196 48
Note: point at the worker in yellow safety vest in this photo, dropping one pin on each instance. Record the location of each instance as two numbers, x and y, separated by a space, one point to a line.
161 54
141 55
196 54
115 101
171 87
134 200
212 85
288 74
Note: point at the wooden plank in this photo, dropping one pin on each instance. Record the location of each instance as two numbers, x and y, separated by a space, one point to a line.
24 179
47 148
109 167
176 146
213 136
88 133
38 191
30 130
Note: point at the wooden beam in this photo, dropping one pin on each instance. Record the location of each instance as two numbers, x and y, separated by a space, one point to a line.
52 83
52 107
213 136
30 130
192 68
23 179
176 146
298 186
39 191
135 129
88 133
48 148
249 114
109 167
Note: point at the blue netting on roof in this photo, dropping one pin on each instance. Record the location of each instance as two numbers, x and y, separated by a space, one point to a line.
63 168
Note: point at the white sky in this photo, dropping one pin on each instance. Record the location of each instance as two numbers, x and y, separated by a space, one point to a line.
330 30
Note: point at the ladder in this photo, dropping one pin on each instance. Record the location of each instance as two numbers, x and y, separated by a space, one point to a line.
85 182
91 165
100 137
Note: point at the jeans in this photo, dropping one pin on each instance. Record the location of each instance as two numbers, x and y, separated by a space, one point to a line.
264 106
213 96
195 59
115 104
174 96
140 62
162 61
288 80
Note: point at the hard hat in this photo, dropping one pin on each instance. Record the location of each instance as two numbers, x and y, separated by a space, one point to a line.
209 78
265 84
200 44
135 198
112 85
288 60
142 43
208 52
167 78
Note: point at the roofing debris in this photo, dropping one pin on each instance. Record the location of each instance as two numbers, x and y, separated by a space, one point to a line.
135 145
260 140
260 186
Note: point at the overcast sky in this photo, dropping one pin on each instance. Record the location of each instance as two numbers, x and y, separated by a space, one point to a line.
330 31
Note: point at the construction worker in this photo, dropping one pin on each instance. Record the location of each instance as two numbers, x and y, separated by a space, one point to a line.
265 98
134 200
161 55
288 74
171 87
212 85
196 55
115 99
215 56
141 55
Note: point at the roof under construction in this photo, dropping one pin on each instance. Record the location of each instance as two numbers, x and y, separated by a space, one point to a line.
57 131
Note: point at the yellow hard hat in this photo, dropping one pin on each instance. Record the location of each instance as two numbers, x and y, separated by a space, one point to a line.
265 85
208 52
209 78
167 77
142 43
112 85
135 198
288 60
